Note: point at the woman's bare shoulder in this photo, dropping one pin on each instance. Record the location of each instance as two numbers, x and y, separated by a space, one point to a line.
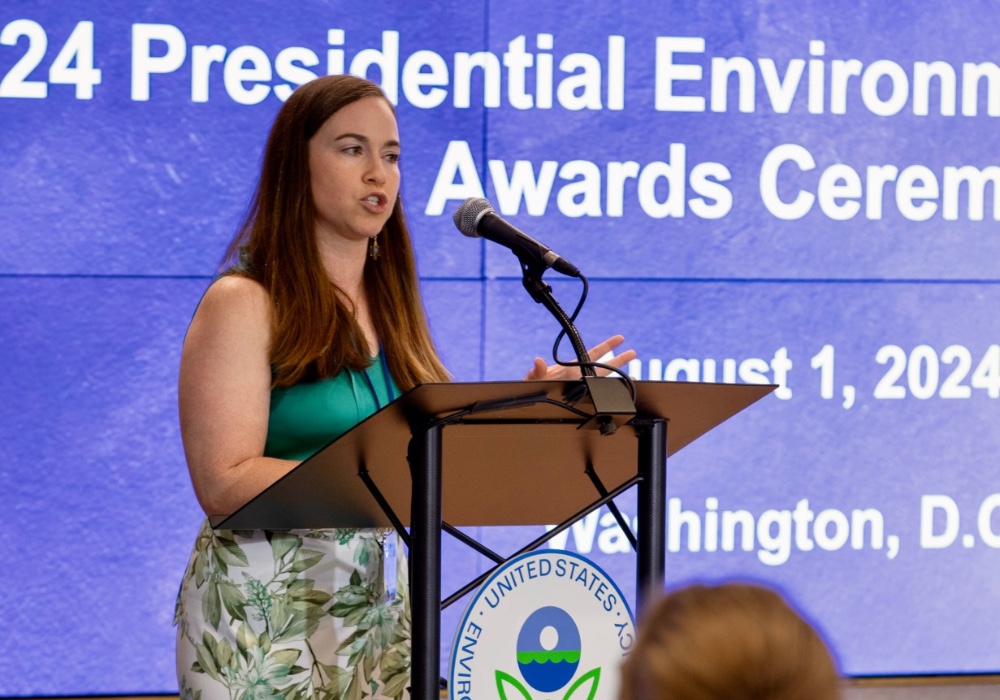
235 289
235 297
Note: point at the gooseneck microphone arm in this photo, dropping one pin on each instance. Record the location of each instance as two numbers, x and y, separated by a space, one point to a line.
531 278
477 219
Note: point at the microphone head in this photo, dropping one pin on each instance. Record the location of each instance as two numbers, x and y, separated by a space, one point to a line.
468 215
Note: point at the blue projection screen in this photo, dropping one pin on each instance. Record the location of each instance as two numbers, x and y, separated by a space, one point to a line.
798 193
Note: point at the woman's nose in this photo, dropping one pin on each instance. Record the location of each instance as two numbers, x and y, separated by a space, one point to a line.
376 171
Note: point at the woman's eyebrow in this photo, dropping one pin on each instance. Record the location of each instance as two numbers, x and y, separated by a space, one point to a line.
364 139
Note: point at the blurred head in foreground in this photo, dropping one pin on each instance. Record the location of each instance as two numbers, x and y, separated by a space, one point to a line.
727 642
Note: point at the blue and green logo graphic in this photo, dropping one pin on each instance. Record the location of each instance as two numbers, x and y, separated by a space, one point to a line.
548 649
548 655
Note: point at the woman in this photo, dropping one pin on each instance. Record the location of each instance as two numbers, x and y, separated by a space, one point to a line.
317 325
729 642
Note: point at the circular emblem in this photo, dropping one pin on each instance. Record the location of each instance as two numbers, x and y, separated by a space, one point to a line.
548 649
547 625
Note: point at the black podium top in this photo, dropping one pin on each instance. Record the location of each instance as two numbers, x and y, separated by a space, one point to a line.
522 464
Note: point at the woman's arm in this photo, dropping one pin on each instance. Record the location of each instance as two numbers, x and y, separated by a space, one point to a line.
224 396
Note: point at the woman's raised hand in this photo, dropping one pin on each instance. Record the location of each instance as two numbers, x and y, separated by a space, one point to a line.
541 371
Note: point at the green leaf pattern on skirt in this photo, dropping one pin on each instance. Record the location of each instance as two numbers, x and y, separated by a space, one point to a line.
297 615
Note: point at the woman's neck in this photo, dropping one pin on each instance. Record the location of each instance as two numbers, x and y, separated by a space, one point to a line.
344 262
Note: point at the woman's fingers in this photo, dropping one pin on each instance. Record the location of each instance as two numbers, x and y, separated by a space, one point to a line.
618 361
539 370
598 353
602 349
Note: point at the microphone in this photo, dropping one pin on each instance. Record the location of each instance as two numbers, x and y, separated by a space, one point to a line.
477 219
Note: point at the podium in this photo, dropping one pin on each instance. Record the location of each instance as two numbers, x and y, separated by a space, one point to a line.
447 455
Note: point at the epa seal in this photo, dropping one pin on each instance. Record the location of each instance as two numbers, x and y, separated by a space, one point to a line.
548 625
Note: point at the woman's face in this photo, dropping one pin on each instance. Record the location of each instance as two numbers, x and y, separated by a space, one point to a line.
354 170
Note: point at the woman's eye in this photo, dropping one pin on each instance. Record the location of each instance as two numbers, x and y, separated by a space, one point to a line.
353 150
392 157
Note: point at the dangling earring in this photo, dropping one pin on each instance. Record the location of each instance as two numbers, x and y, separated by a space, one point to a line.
373 247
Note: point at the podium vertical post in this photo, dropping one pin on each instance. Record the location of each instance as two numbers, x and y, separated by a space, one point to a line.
425 553
652 497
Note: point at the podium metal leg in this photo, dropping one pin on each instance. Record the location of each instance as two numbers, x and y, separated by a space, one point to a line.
652 498
425 570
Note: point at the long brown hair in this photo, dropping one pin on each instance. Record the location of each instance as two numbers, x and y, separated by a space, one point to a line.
314 332
728 642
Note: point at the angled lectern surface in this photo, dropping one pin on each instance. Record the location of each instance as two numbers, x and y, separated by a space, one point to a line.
492 475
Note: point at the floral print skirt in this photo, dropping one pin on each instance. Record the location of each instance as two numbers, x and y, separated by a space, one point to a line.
318 614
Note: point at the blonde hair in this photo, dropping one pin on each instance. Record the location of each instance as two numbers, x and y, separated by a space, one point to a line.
728 642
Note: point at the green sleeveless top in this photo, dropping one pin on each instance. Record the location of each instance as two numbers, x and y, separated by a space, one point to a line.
306 417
